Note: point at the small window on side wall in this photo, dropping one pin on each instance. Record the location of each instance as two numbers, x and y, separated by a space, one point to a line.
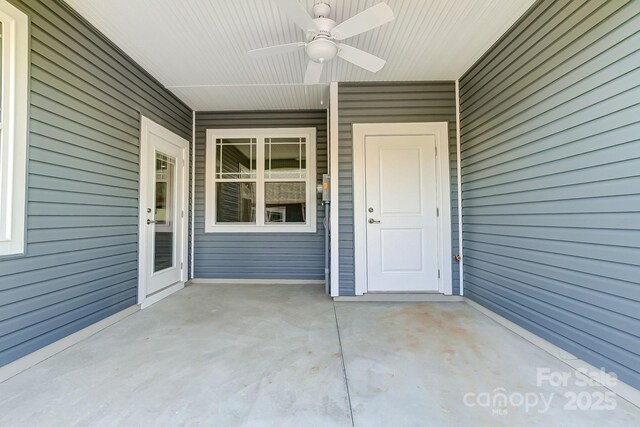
260 180
14 70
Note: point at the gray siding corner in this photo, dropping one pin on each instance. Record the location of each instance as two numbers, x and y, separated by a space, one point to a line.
551 179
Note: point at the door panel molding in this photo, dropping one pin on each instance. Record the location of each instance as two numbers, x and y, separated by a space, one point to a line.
155 137
440 131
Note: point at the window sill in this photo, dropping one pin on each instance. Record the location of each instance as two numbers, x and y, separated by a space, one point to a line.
9 248
282 228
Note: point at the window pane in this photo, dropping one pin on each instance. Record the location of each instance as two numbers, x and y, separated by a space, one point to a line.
285 202
236 158
285 158
236 202
164 214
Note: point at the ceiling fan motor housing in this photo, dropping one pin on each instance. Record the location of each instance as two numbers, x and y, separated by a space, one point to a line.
323 28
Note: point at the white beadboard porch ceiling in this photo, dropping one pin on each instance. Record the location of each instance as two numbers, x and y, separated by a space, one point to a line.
197 48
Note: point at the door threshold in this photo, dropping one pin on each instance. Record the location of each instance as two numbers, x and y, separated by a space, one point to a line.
400 297
161 294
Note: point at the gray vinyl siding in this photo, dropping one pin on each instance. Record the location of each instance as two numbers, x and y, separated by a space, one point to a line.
389 103
80 264
551 179
258 255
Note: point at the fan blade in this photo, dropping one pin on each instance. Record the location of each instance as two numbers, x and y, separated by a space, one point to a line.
371 18
360 58
274 50
297 13
312 75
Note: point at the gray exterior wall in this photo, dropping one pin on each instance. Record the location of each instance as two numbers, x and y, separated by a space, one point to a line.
551 179
389 103
80 264
258 255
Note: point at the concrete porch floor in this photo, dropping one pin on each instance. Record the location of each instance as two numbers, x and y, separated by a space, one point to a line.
285 355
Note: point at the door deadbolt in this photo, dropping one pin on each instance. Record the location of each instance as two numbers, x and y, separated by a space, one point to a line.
148 210
370 209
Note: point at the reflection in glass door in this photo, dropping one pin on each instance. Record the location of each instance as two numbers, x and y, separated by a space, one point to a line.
164 215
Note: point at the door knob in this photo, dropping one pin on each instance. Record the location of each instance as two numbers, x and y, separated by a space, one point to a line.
373 221
150 221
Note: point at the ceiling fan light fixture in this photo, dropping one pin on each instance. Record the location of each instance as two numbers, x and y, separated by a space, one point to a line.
321 50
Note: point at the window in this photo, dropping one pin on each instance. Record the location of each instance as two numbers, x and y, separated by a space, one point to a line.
14 68
261 180
165 166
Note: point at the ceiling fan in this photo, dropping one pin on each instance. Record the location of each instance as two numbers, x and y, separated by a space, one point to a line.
323 32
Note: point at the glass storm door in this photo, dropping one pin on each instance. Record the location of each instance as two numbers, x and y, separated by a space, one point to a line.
162 209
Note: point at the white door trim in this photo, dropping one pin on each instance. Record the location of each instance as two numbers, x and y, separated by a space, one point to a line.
147 171
459 188
334 223
440 129
193 199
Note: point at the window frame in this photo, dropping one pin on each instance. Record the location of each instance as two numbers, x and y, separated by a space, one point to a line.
13 122
260 226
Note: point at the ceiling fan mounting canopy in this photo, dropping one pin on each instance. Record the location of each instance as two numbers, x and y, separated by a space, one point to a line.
322 33
321 9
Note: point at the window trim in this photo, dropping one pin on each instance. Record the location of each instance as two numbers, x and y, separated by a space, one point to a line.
260 134
13 149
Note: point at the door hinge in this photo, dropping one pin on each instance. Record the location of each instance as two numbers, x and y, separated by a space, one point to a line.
181 266
436 151
438 274
182 214
437 212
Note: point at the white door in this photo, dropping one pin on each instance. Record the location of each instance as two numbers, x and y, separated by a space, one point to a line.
163 202
401 201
